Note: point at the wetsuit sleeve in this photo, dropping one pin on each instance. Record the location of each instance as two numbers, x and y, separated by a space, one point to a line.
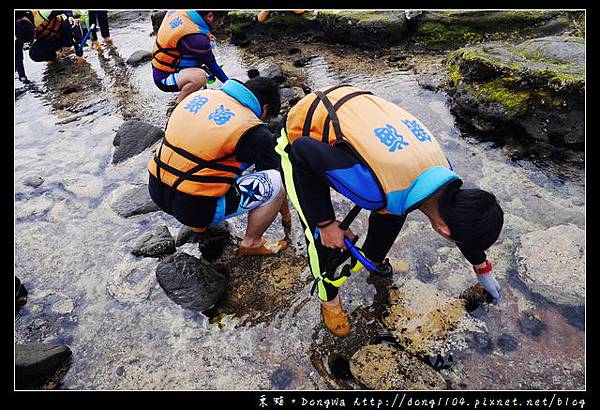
19 59
257 147
218 71
475 257
199 46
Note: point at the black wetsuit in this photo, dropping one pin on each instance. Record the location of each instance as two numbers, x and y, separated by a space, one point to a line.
312 162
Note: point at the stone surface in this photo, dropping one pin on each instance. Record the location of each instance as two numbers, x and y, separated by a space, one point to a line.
426 322
139 57
155 244
535 89
133 201
189 282
33 181
552 263
157 18
36 363
434 77
133 137
384 367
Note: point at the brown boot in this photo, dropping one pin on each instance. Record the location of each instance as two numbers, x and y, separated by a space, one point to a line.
336 319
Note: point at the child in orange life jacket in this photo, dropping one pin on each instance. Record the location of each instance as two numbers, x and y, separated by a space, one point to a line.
52 30
184 43
385 160
197 174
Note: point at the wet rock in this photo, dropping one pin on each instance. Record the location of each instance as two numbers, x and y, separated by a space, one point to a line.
20 294
155 244
302 62
531 325
507 343
475 296
186 235
36 363
275 125
253 72
33 181
421 318
139 57
240 39
134 201
384 367
157 18
434 77
481 343
293 50
274 72
291 93
132 281
189 282
551 263
212 242
438 30
533 90
282 378
133 137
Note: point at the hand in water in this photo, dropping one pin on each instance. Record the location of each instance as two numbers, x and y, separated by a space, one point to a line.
489 283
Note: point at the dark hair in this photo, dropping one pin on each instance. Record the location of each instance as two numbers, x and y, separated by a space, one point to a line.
474 216
267 92
24 30
217 14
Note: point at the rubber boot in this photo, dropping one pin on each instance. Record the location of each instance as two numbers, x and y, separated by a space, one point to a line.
335 319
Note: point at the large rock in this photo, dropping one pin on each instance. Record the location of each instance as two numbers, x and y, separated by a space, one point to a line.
426 322
139 57
384 367
189 282
133 137
450 29
36 363
212 242
535 88
134 201
552 264
155 244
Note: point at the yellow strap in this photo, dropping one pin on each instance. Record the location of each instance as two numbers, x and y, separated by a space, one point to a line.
313 256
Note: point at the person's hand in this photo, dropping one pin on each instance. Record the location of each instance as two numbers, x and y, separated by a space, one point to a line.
333 237
488 280
73 21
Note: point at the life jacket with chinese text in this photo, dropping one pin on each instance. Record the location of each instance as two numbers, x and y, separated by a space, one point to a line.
175 26
196 156
46 27
403 155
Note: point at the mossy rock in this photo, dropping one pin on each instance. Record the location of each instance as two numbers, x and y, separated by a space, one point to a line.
440 30
537 86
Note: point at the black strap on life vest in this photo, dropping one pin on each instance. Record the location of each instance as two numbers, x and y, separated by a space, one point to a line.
332 116
313 107
201 164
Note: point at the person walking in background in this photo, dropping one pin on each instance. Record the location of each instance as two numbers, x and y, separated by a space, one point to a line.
100 18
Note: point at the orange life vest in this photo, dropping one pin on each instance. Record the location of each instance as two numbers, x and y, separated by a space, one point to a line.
175 26
400 151
196 156
44 27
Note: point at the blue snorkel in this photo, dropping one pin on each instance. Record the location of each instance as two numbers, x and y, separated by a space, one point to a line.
79 51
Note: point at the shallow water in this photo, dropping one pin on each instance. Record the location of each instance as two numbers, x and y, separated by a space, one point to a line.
72 252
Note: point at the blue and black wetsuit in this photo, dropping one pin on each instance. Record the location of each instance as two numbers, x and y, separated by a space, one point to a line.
317 167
